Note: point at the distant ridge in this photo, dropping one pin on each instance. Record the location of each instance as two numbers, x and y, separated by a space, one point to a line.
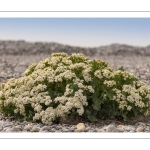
32 48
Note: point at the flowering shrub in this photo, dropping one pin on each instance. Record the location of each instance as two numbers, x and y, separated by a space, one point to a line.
61 86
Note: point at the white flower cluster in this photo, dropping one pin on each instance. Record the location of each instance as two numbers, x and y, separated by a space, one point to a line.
32 89
86 74
130 95
104 73
57 85
109 83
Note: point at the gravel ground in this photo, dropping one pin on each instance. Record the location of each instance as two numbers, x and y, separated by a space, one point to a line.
14 66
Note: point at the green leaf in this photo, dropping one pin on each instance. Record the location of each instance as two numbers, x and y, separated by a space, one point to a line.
125 118
121 68
91 116
135 111
110 94
103 114
97 103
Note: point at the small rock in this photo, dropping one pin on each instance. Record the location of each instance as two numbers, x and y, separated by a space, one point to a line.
66 130
3 74
72 128
15 129
95 130
1 128
45 128
142 124
120 126
7 129
16 75
19 127
1 117
91 130
28 127
147 128
132 131
117 130
129 128
58 127
23 123
53 130
88 128
110 128
140 129
45 131
102 130
35 129
24 130
80 127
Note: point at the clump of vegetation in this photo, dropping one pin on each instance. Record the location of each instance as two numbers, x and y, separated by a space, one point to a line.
61 86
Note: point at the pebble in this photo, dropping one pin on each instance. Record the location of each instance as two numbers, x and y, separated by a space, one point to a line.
110 128
142 124
140 129
7 129
15 129
1 128
35 129
120 126
147 128
15 126
80 127
102 130
66 130
72 129
54 130
129 128
45 128
28 127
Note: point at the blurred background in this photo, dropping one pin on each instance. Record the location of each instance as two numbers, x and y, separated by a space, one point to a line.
117 41
84 32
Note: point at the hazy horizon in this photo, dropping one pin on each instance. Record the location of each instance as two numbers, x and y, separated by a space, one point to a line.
81 32
73 45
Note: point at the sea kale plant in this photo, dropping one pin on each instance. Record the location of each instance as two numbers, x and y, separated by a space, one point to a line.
71 86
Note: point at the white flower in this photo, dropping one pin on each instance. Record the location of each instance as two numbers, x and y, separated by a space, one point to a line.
129 108
98 74
109 83
47 102
80 111
90 88
106 73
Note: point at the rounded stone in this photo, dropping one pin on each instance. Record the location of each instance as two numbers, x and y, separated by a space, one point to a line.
95 130
28 127
129 128
120 126
140 129
117 130
66 130
15 129
7 129
80 127
35 129
1 128
102 130
88 128
142 124
53 130
72 128
110 128
45 128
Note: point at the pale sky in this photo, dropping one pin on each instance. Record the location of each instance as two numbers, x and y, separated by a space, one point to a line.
84 32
